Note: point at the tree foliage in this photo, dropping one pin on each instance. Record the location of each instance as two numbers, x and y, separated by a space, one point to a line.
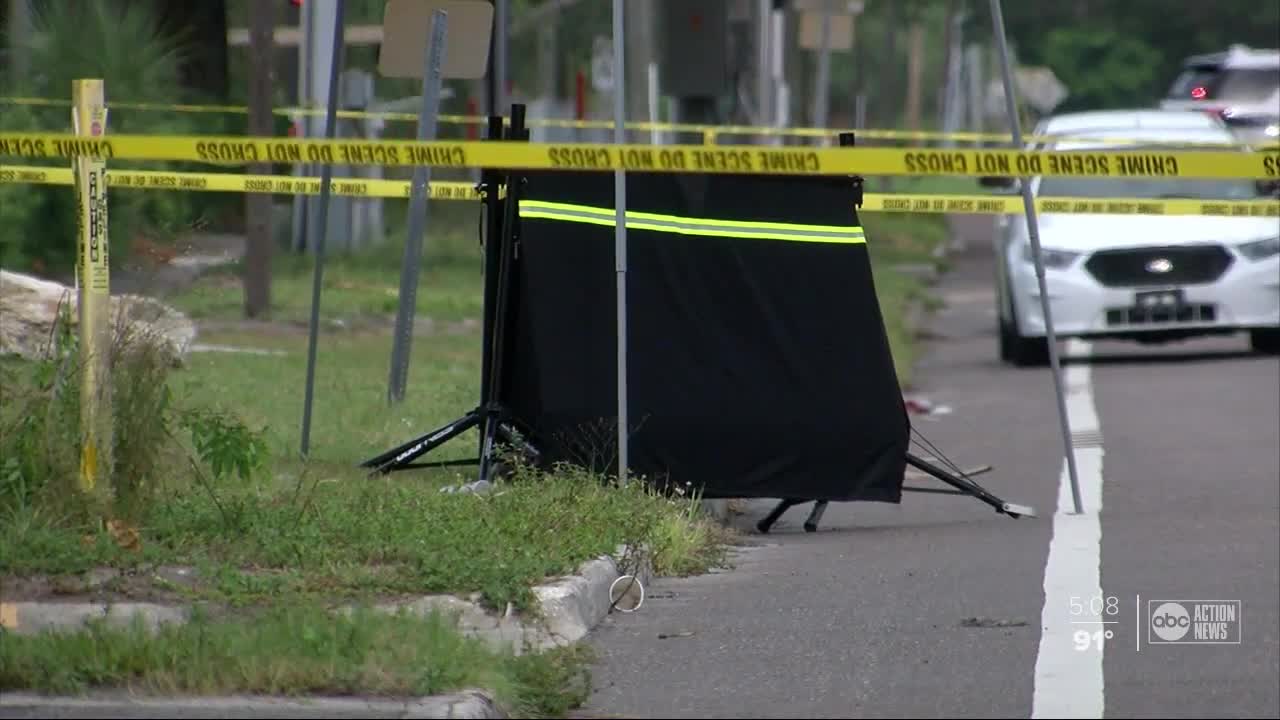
1137 46
1101 67
123 45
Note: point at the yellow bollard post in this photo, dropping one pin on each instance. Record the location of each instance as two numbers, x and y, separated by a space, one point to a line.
89 119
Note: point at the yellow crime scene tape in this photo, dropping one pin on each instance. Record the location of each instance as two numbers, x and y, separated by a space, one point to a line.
912 203
227 182
709 132
745 159
998 205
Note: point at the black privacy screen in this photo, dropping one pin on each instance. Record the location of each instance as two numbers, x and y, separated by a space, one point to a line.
757 364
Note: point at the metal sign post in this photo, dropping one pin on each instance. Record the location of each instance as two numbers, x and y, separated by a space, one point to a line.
326 183
1033 230
418 209
620 234
408 52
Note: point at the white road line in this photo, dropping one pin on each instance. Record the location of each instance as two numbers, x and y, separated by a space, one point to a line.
1069 681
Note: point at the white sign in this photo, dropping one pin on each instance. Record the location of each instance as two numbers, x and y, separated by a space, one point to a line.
1036 86
602 64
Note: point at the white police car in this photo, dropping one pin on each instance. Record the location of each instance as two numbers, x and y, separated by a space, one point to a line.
1142 277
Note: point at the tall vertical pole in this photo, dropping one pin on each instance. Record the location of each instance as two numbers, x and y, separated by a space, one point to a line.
89 119
1033 230
620 233
821 93
976 80
655 135
305 123
764 64
778 53
326 183
500 17
418 210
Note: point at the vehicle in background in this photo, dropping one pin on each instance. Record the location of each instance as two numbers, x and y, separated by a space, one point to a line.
1149 278
1241 85
1114 125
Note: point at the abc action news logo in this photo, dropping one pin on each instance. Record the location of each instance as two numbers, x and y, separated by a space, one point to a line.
1193 622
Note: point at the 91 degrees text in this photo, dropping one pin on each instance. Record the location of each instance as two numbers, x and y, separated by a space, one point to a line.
1094 610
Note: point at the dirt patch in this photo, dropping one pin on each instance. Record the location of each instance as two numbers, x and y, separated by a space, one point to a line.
103 585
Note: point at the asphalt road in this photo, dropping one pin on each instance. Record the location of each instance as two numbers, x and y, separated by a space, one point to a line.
867 617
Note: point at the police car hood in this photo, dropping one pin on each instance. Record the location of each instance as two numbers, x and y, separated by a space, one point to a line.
1086 233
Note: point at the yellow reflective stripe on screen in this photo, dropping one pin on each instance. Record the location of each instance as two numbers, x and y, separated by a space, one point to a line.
709 227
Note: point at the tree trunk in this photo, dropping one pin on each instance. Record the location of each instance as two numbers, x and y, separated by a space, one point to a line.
885 106
915 66
948 38
258 206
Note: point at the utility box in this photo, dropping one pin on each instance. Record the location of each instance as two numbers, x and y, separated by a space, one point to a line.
693 47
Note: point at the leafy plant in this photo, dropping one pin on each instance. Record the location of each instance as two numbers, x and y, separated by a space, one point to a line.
225 443
40 428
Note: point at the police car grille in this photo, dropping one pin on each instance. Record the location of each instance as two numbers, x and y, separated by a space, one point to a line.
1185 265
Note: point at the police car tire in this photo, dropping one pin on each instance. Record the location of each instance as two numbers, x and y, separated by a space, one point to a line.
1265 340
1022 351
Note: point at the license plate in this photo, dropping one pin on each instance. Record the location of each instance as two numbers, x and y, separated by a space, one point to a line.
1159 300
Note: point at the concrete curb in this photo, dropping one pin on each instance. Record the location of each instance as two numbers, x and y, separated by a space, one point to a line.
466 704
717 510
569 608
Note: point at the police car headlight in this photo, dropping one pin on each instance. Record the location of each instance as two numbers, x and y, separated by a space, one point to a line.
1260 249
1272 130
1053 259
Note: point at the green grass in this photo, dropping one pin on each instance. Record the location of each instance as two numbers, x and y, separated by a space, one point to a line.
349 538
351 417
322 528
894 239
295 651
365 285
930 185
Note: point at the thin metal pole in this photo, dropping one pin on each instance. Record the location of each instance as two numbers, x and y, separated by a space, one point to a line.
764 65
326 182
1033 230
418 210
655 135
620 233
820 94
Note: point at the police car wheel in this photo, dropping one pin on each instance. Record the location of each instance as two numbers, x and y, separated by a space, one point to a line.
1021 351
